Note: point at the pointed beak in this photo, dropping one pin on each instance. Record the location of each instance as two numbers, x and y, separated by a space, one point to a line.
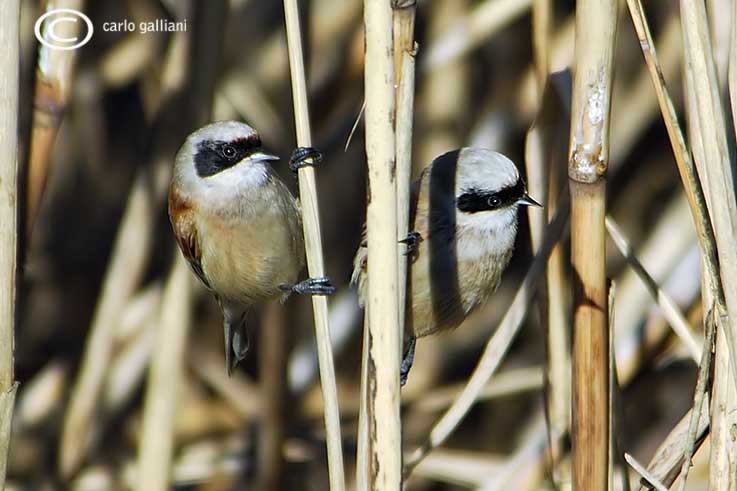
528 200
263 157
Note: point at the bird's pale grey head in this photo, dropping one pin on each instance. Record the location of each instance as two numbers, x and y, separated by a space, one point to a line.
221 157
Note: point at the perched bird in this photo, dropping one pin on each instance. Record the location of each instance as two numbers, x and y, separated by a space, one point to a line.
238 225
463 218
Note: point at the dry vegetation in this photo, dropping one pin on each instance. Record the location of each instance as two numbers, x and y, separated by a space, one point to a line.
118 351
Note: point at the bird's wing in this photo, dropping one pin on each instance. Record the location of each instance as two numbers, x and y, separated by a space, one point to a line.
181 215
360 261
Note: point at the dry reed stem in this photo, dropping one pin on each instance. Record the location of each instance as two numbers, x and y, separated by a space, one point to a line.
732 66
668 459
384 337
459 467
596 26
404 66
671 311
128 260
700 393
9 68
684 162
471 31
164 377
313 248
496 347
644 473
51 95
715 169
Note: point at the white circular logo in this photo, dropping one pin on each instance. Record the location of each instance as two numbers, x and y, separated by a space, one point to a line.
51 39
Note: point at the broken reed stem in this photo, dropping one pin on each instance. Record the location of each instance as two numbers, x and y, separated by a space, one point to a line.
384 338
313 247
596 26
51 94
163 381
9 67
670 309
497 346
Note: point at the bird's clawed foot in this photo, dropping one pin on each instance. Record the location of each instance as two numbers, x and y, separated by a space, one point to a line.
409 357
300 158
411 241
311 286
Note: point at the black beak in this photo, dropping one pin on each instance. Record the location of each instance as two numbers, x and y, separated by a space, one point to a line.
528 200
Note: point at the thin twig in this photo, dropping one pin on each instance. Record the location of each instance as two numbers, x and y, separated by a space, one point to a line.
671 311
644 473
313 247
700 393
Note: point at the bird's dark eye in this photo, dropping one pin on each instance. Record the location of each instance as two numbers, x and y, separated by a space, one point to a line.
493 201
229 151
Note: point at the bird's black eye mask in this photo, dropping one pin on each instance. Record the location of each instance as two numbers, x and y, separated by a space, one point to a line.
474 200
213 156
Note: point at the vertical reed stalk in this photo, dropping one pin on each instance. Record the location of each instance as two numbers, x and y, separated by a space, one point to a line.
384 425
313 248
596 22
9 63
707 121
51 95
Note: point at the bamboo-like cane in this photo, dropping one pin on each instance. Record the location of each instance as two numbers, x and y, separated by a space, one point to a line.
9 66
53 87
596 22
313 248
165 374
384 337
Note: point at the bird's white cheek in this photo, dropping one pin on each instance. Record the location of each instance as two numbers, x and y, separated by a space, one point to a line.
483 234
229 184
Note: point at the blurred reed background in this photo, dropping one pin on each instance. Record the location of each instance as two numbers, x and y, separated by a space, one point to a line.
118 350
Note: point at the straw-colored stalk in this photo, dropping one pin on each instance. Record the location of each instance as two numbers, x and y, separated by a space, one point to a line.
313 247
707 121
164 377
9 63
384 337
51 95
542 21
596 22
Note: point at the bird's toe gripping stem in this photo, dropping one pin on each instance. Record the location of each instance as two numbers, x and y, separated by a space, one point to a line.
411 241
303 156
311 286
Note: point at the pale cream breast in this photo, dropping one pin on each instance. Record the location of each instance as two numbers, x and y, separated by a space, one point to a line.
252 254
